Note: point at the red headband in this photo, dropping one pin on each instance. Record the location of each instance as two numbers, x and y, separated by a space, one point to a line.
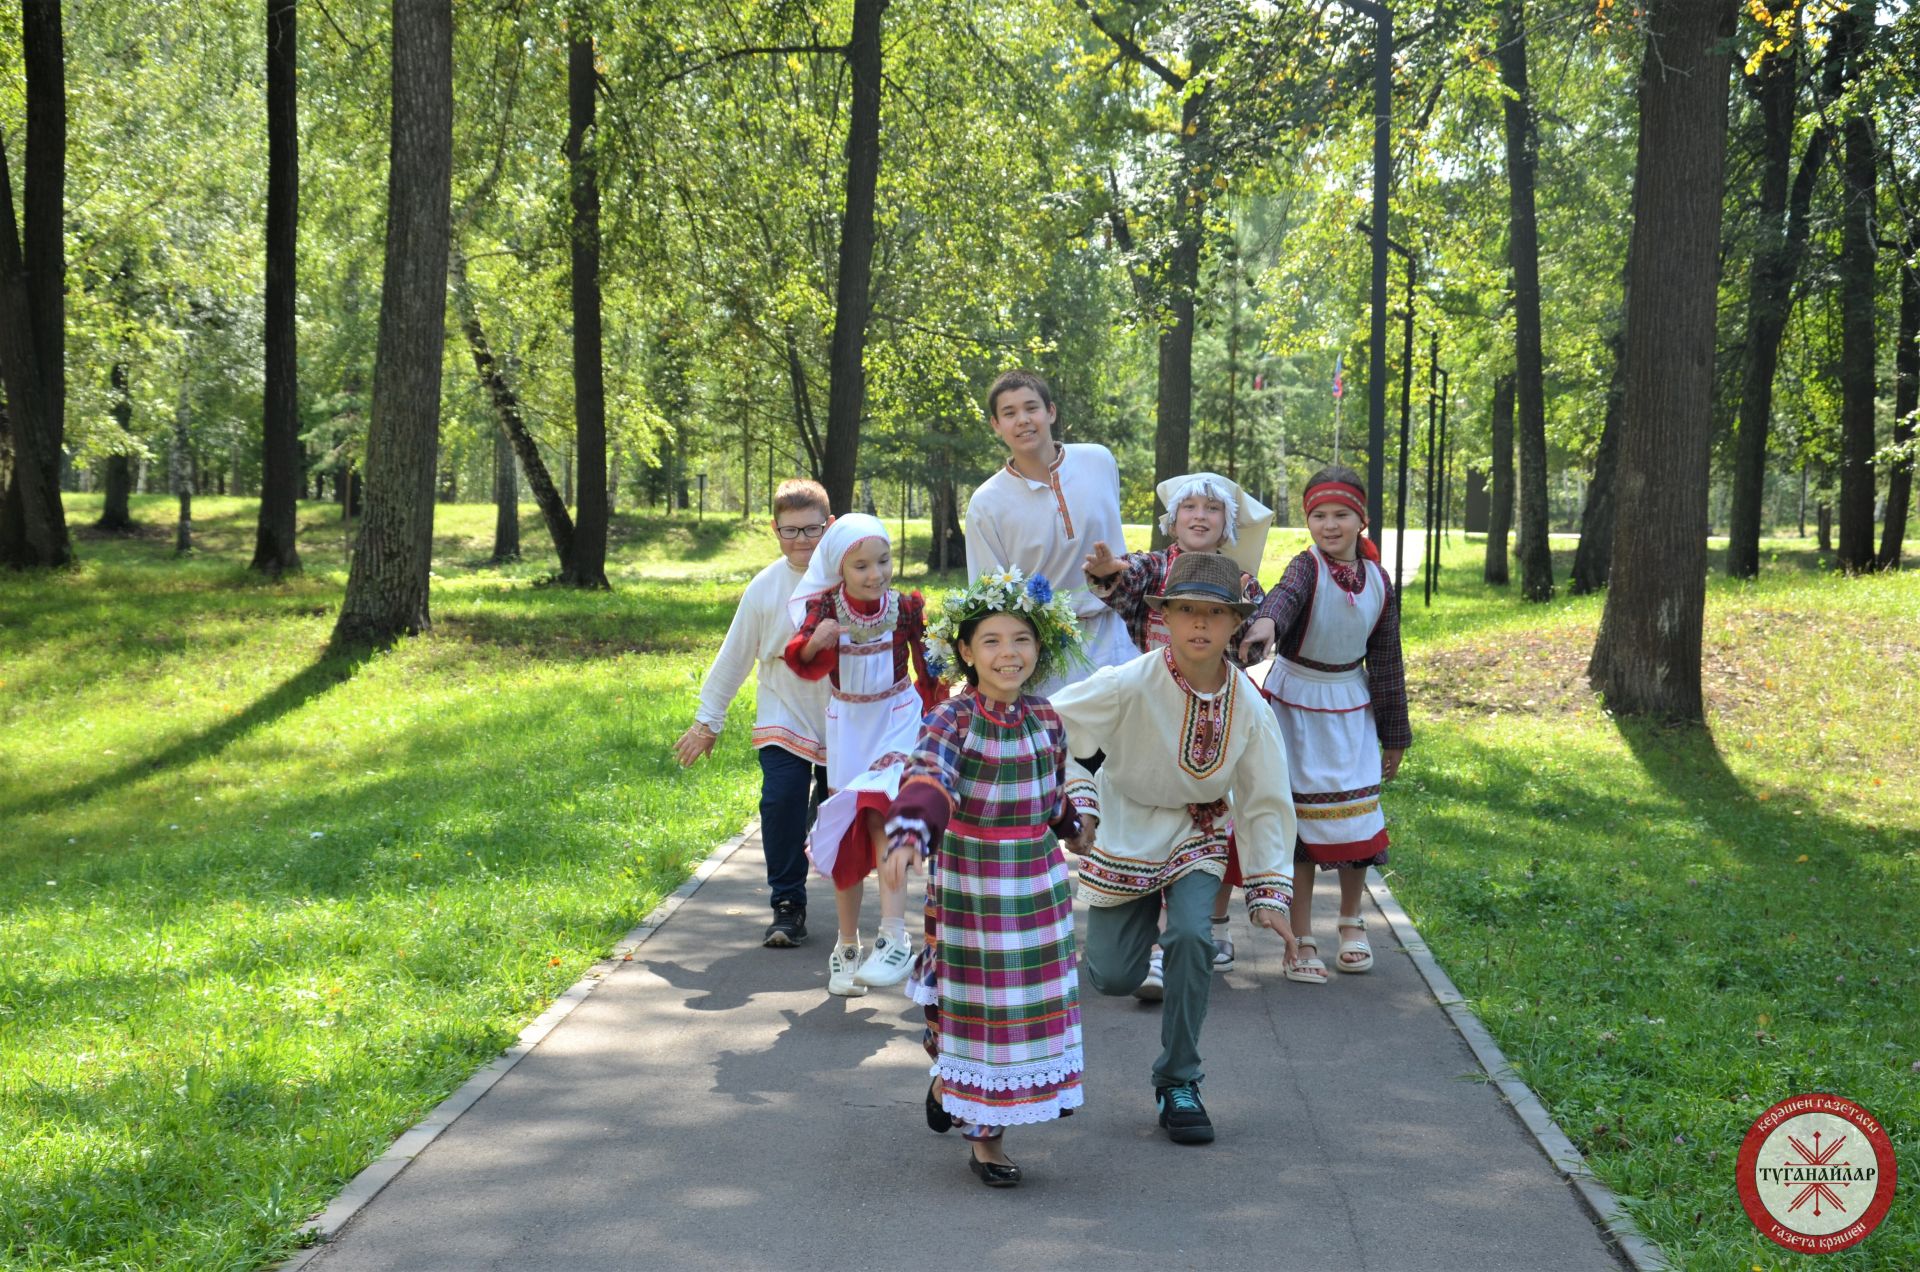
1336 492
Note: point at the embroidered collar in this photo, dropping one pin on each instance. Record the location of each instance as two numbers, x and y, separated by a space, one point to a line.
1053 469
1349 576
860 627
1205 725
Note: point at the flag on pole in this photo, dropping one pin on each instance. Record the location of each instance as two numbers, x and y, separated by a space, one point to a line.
1339 384
1259 382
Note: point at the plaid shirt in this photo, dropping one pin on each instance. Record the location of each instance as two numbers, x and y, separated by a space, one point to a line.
1146 575
1291 603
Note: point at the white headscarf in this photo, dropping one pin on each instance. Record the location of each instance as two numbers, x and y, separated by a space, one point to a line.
1248 519
823 571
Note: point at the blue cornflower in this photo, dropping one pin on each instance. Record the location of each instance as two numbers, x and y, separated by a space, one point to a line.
1039 589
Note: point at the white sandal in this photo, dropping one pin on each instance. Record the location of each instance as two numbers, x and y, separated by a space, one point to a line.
1307 970
1358 945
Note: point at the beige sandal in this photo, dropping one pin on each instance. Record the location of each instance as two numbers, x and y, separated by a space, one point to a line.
1358 945
1307 970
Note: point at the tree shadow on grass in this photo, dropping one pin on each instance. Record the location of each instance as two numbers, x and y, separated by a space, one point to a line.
326 671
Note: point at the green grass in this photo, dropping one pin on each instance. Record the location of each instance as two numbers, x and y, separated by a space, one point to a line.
1669 930
260 909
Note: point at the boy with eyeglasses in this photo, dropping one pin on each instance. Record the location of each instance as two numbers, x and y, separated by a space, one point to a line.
789 724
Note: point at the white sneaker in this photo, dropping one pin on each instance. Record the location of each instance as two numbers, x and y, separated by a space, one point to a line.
888 963
1154 987
840 974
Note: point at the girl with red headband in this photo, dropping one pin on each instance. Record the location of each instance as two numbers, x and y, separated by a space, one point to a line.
1339 690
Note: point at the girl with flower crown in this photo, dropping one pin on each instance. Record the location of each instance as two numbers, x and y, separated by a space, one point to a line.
983 801
864 638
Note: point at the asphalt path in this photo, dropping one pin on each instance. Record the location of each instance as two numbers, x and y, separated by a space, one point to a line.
709 1106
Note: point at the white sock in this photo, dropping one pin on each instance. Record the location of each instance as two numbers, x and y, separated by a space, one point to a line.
849 943
894 929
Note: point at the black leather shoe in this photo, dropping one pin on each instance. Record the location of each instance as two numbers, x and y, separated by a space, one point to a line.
993 1174
938 1119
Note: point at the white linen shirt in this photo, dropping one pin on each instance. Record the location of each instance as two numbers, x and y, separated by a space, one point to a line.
1049 527
789 713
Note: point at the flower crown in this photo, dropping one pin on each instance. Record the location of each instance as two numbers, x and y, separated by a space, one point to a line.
1006 591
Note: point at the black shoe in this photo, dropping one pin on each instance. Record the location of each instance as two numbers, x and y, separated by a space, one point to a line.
993 1174
1183 1115
789 926
938 1119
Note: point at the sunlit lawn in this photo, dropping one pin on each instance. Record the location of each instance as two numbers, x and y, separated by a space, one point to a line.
260 910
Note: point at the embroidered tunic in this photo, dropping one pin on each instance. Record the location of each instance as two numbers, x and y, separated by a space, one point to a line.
1338 689
872 717
789 712
1048 527
997 975
1183 770
1146 575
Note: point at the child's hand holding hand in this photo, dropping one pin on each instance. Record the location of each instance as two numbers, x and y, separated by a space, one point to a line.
697 741
828 633
1276 922
901 854
1259 635
1084 841
1390 761
1101 564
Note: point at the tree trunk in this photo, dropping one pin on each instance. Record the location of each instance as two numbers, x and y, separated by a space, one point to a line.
1770 294
1593 559
1500 497
1857 294
387 582
506 412
1647 657
116 516
1523 259
275 545
1173 422
180 466
1906 400
949 546
587 567
506 500
853 301
33 521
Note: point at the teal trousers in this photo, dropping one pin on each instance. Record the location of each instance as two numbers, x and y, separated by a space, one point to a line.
1120 938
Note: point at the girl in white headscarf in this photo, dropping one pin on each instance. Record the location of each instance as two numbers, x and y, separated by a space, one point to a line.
864 638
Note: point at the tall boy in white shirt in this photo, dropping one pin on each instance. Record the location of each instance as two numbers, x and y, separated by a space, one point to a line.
1045 509
789 724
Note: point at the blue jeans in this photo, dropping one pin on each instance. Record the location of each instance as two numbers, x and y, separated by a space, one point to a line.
790 789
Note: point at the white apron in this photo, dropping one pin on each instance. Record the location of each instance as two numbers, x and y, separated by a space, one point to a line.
1325 711
873 723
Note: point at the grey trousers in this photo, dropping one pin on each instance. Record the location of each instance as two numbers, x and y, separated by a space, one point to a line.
1120 939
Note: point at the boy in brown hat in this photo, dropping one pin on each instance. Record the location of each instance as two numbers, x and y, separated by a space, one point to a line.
1191 754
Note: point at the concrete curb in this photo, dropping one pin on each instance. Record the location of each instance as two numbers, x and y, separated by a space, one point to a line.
1639 1253
365 1186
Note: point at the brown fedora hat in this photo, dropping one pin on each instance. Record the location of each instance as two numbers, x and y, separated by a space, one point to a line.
1203 576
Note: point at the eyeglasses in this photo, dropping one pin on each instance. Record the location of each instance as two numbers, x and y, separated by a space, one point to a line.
795 532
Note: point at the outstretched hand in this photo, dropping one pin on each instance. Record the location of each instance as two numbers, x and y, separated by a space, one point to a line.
1259 635
697 741
1276 922
1102 564
895 865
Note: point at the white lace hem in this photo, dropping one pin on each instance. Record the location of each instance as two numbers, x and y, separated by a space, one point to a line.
1014 1077
1026 1115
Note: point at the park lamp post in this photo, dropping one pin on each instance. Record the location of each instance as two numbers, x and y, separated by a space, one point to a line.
1377 360
1406 411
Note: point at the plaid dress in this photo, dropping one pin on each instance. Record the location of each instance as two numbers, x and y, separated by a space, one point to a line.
997 976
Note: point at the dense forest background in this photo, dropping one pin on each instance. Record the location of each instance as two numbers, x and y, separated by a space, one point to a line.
817 230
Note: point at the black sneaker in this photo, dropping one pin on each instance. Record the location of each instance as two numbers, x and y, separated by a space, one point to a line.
789 926
1183 1115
